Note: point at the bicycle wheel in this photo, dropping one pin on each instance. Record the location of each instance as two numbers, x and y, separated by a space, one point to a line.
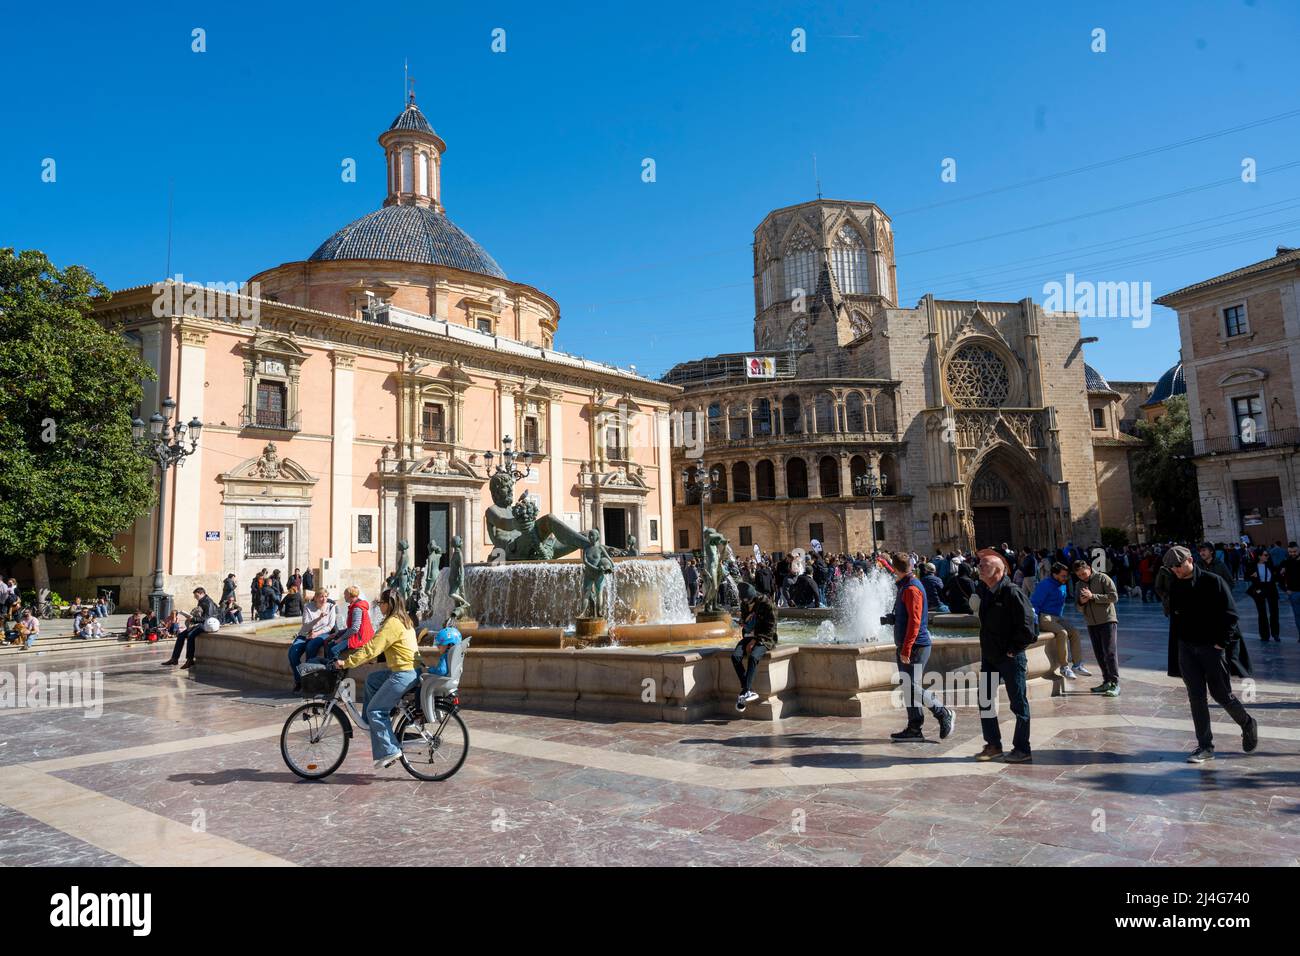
319 722
433 749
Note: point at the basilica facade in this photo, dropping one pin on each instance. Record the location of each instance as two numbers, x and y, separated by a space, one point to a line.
855 421
349 401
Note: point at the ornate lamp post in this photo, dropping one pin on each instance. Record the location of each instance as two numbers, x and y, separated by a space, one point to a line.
165 446
703 482
508 458
872 486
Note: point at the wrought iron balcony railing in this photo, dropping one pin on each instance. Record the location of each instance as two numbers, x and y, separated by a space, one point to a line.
1229 444
270 419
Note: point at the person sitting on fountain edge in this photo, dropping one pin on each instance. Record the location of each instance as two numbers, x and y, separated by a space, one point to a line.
912 651
757 637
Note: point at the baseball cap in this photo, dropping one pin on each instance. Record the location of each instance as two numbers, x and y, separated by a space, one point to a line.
1176 556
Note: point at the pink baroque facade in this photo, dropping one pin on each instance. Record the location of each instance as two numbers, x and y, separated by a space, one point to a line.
348 401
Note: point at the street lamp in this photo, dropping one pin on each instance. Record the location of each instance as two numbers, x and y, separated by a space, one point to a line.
164 446
508 457
871 485
704 481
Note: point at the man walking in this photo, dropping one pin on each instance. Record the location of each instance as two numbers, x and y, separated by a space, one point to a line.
1202 627
1289 579
1006 630
1212 563
912 652
1096 599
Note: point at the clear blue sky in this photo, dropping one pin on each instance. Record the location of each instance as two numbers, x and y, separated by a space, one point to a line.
546 143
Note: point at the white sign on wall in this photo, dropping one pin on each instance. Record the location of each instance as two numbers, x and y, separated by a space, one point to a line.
760 367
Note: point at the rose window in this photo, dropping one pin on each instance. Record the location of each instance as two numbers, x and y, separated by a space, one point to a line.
977 377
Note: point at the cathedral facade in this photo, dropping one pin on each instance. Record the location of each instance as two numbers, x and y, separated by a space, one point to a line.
856 421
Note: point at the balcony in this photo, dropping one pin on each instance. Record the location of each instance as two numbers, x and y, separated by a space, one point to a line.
1232 444
802 438
270 419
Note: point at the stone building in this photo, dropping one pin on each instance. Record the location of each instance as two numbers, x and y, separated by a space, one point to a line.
348 400
1116 408
977 415
1240 335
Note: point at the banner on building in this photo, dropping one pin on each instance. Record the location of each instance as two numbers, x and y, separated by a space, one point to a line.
756 367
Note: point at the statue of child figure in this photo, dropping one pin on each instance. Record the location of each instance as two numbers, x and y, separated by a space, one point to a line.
456 581
596 564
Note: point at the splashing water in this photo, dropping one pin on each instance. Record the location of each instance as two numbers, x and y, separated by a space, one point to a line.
860 604
547 594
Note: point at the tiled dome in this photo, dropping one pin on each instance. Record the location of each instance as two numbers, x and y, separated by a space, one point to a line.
405 233
1170 384
412 118
1095 380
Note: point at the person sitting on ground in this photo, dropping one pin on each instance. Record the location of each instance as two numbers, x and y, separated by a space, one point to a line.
87 626
135 626
396 641
101 607
933 589
757 638
205 610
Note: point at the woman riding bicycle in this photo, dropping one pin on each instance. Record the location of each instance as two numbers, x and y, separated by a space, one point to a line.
385 687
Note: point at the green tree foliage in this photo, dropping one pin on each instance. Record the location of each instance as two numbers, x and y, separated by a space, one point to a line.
70 477
1114 537
1163 472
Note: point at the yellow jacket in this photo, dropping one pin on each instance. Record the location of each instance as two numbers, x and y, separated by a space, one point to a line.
397 643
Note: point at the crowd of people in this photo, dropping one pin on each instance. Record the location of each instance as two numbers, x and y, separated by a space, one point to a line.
1019 595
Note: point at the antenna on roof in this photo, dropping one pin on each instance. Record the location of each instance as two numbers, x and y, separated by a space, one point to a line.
406 82
817 177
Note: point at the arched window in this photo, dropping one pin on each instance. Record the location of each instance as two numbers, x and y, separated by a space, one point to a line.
791 415
889 475
740 481
719 493
796 478
765 480
796 339
859 324
828 473
800 264
855 421
857 468
849 259
824 409
738 419
884 413
715 422
762 417
690 493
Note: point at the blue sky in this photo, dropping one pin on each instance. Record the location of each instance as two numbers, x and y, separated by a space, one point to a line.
546 143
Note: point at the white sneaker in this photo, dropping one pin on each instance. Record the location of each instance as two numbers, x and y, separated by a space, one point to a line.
1082 671
383 762
740 703
749 698
1067 672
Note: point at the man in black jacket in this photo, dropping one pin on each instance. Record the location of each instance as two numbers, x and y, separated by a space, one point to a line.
757 638
1203 627
1007 628
204 609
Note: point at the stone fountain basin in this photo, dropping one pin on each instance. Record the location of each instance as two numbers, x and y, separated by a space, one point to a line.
631 683
625 635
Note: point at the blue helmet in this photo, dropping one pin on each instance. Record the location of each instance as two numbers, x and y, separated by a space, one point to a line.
448 635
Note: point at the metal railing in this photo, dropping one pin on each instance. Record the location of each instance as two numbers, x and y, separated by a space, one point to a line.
804 438
270 419
1228 444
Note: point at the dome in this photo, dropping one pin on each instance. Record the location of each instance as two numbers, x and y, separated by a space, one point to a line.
1095 380
412 118
1170 384
408 233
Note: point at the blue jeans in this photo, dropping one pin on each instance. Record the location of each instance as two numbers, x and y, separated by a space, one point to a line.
300 648
391 686
1009 671
1294 598
911 676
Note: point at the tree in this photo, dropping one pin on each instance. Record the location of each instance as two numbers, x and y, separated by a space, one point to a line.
70 476
1164 472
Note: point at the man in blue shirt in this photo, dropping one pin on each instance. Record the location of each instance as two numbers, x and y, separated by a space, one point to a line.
1049 601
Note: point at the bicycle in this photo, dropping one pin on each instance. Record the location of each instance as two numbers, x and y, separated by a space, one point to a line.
107 595
430 732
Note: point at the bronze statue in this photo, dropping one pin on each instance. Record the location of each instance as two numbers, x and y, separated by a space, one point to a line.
456 581
519 533
711 569
596 564
403 579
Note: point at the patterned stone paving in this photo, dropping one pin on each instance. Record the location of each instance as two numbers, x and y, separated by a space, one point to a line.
178 771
